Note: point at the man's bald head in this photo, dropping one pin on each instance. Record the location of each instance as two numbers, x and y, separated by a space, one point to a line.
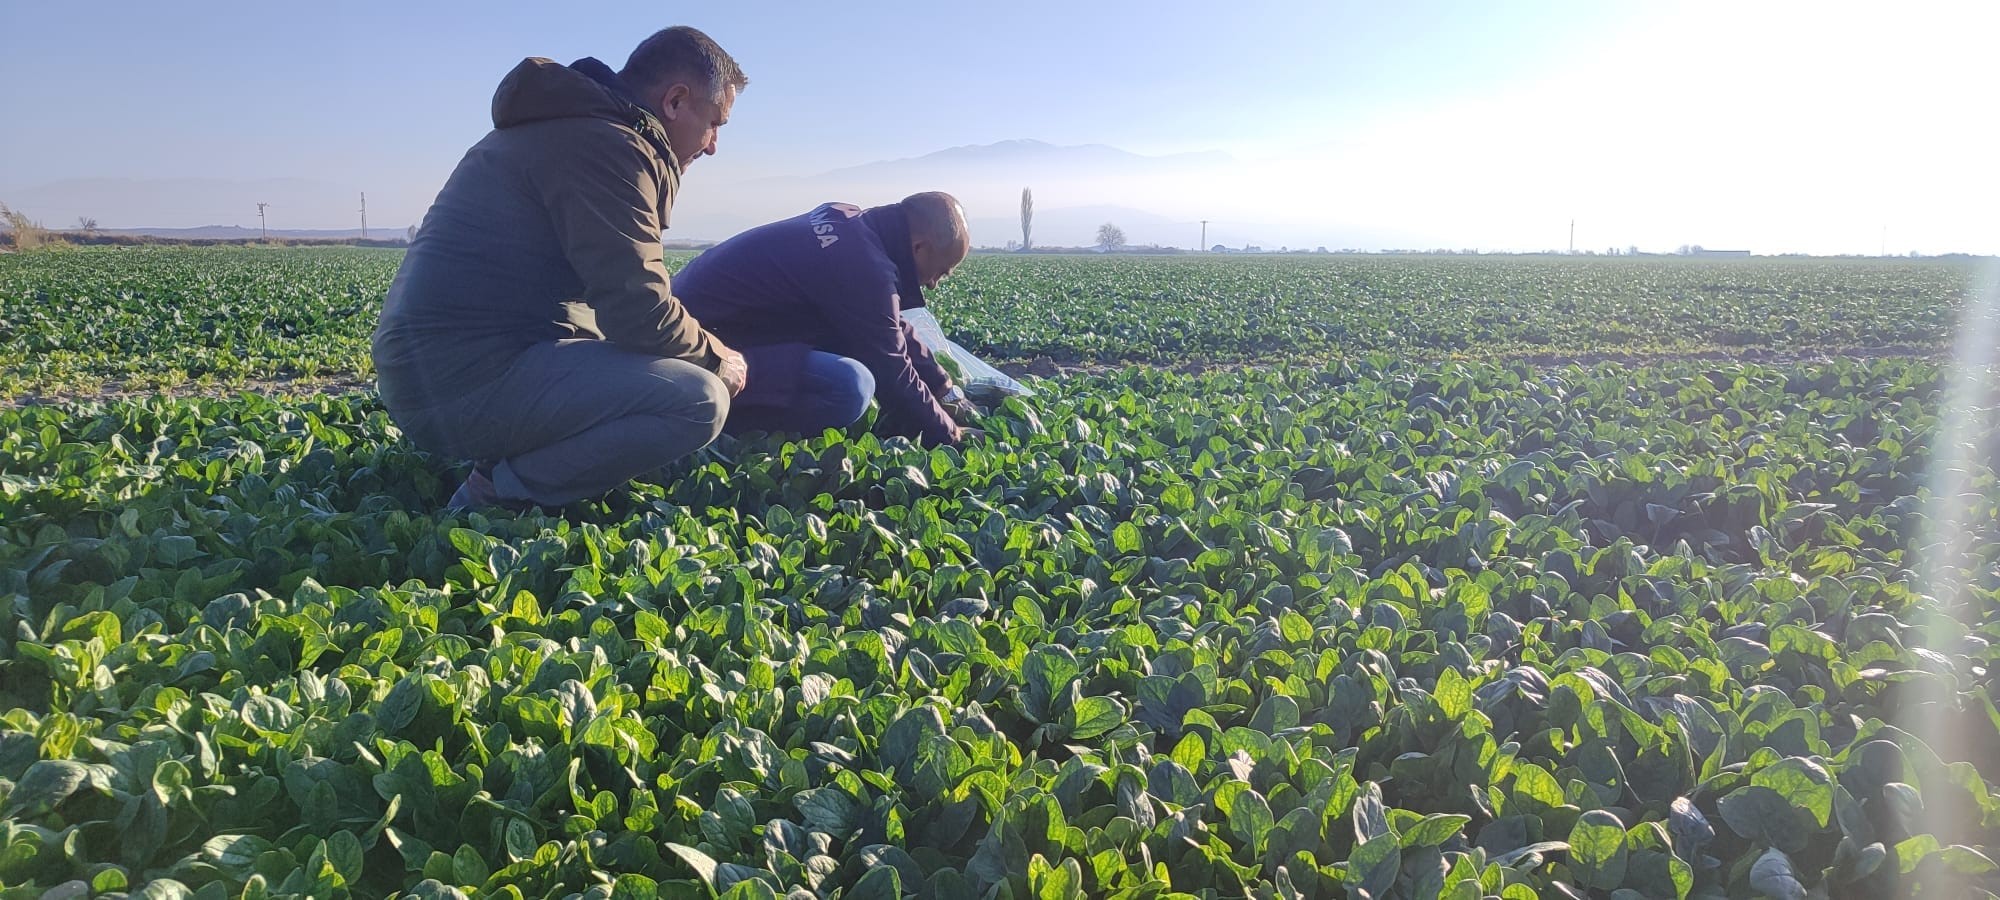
939 238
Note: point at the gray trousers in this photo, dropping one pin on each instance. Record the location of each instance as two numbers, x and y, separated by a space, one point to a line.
573 419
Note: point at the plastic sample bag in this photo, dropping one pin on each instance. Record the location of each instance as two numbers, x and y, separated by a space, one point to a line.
983 383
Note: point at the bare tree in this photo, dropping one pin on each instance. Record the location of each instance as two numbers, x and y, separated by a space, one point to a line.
1027 219
88 224
1110 236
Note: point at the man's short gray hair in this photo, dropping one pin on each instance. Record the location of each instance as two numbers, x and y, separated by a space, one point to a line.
684 55
935 216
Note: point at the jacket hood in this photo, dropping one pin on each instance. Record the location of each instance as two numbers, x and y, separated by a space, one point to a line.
542 89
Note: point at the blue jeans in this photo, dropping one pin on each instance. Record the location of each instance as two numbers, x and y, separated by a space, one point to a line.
573 419
832 392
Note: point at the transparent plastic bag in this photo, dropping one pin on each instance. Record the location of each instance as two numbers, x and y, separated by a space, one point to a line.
983 383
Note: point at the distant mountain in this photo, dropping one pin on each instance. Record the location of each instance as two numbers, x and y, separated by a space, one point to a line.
1077 188
240 233
1076 226
1015 159
178 203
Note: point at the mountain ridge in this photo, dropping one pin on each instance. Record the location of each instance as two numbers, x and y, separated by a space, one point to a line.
1016 152
1078 187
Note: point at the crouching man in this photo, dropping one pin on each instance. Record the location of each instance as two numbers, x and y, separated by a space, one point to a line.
532 328
815 303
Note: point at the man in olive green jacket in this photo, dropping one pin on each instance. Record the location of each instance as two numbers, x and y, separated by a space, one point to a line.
532 328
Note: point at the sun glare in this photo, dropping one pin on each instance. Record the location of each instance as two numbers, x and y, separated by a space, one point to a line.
1955 557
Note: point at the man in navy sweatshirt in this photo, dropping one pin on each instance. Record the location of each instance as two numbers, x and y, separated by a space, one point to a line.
815 302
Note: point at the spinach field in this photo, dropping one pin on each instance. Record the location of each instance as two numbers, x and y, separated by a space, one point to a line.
1403 610
226 318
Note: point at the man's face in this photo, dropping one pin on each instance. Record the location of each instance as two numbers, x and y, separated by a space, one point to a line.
934 263
692 121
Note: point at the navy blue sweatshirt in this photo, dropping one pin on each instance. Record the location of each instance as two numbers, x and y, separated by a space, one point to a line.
835 279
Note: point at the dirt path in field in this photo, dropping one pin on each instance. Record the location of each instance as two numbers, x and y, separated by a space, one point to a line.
1048 367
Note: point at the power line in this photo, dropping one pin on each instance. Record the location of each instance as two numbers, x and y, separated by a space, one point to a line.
260 221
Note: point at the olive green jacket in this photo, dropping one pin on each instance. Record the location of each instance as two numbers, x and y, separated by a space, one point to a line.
548 229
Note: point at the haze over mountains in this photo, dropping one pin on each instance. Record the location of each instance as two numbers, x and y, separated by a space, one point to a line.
1076 188
205 207
1154 199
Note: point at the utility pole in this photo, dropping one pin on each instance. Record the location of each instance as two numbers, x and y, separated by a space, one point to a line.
1572 237
364 215
260 221
1204 238
1885 242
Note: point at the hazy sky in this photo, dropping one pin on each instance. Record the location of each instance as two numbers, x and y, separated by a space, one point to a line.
1771 126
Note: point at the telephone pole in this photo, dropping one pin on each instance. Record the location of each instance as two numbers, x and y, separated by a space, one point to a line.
1572 236
1204 238
364 215
260 221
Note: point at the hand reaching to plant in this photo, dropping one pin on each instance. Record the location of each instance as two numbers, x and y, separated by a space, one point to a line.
962 409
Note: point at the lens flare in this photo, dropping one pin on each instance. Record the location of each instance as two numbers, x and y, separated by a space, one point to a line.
1957 545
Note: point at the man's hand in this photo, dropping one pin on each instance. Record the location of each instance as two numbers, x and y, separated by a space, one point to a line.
962 409
734 372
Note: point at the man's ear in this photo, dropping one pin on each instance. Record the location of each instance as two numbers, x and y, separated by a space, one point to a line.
674 101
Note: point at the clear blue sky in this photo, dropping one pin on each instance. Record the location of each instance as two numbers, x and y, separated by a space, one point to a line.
388 95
